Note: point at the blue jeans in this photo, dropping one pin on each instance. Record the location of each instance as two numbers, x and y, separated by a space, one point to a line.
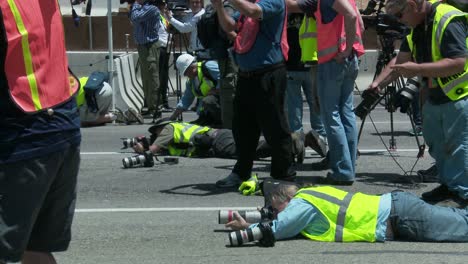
415 220
335 90
296 80
445 129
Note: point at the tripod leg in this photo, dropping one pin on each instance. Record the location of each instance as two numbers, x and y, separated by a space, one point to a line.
421 147
360 132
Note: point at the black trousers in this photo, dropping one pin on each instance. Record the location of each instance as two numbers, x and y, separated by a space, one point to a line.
259 108
163 75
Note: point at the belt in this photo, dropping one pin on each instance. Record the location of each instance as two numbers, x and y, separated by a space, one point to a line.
255 73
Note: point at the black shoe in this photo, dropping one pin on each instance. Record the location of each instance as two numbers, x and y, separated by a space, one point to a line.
166 109
330 181
429 175
321 165
156 115
438 194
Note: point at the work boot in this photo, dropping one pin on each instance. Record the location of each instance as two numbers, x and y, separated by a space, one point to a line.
134 116
317 142
429 175
321 165
329 180
438 194
231 181
298 149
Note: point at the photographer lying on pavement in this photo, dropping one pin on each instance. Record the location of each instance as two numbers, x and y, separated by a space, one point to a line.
190 140
324 213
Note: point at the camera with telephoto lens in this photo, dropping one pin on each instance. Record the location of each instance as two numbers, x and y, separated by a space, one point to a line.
141 160
406 94
131 142
370 97
263 233
264 214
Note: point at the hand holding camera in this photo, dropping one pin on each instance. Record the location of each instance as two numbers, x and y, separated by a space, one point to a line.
406 95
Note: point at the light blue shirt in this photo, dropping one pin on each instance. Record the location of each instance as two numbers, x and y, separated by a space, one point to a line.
301 215
188 96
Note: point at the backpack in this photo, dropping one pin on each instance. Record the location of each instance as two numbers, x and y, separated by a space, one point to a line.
92 87
209 32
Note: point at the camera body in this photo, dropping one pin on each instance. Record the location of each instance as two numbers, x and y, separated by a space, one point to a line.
370 97
407 94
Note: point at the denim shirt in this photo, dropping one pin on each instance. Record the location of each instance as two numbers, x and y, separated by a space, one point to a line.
145 19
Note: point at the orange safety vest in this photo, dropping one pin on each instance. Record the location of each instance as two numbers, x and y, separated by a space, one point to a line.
36 65
332 37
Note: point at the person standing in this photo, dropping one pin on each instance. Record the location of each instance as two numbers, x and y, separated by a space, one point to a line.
164 55
436 49
339 43
39 133
145 19
260 50
190 26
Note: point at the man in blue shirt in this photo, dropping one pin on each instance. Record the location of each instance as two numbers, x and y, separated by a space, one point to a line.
145 19
260 50
401 216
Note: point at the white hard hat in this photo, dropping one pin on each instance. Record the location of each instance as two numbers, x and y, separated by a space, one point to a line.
183 62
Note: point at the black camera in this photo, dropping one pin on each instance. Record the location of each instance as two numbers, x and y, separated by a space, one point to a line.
141 160
406 94
370 97
131 142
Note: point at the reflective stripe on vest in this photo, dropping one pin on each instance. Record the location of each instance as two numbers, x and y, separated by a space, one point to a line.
308 39
184 132
455 86
37 72
333 38
204 86
351 216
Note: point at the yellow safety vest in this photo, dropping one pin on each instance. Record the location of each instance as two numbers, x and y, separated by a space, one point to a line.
308 39
183 134
455 87
36 62
80 96
205 85
351 216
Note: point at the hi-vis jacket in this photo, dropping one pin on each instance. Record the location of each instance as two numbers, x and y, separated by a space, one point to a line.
335 36
308 39
36 65
455 87
351 216
205 84
183 135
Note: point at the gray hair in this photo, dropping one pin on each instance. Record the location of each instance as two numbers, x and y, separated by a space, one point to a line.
398 4
284 192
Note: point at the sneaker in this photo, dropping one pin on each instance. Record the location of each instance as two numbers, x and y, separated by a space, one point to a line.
166 109
134 116
438 194
121 117
231 181
317 142
429 175
417 131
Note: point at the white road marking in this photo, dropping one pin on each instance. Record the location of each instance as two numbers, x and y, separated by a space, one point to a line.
161 209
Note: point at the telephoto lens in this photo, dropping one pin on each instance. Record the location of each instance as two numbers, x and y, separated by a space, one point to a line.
240 237
145 160
226 216
129 142
369 99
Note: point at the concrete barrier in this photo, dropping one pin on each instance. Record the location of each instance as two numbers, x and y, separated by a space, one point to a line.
128 89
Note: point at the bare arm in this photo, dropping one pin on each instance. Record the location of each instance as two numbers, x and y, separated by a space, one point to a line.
344 8
388 75
227 23
247 8
293 7
443 68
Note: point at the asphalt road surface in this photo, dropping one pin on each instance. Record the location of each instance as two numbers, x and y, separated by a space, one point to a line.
168 213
